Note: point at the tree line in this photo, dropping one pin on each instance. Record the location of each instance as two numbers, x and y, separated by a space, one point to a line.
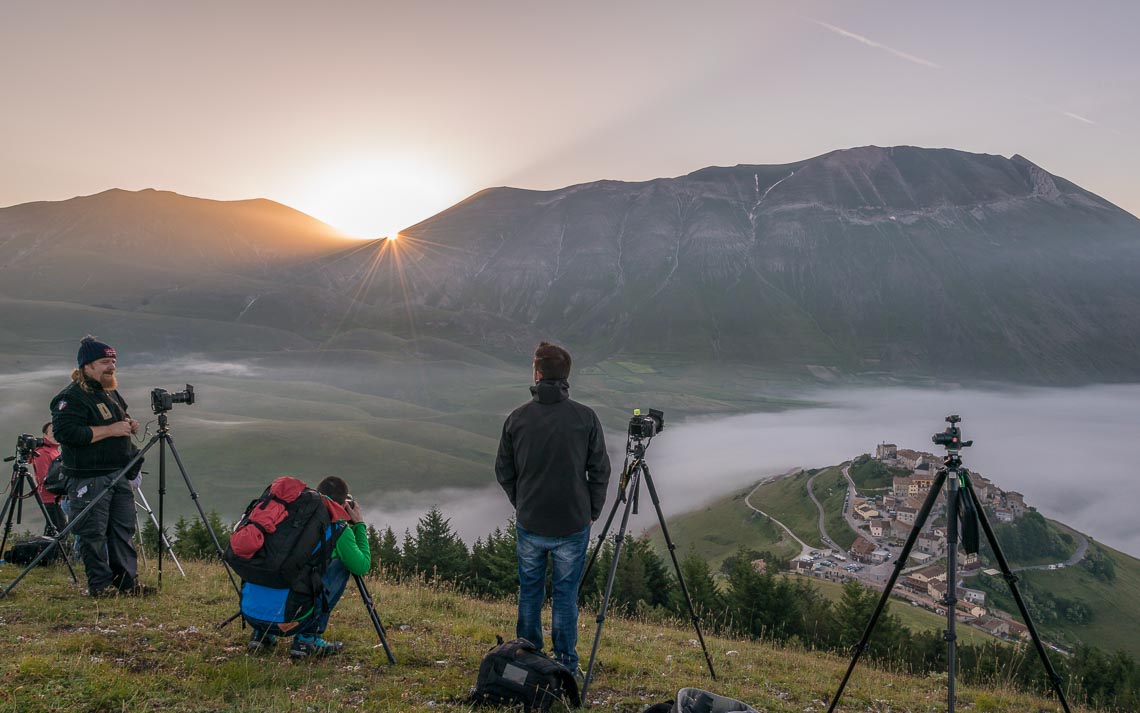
744 598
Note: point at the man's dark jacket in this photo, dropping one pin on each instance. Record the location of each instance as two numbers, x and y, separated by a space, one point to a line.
553 463
73 412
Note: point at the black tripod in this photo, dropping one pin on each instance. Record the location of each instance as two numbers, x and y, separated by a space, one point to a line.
366 597
164 439
635 467
14 505
961 500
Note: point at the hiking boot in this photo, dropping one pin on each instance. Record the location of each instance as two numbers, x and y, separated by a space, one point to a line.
138 590
261 641
102 592
305 645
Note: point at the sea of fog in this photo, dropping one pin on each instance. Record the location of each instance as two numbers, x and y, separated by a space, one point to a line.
1071 452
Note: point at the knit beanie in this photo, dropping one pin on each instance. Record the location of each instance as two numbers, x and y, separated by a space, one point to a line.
91 349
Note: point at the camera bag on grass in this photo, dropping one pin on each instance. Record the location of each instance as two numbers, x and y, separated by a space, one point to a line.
694 700
281 548
516 673
25 550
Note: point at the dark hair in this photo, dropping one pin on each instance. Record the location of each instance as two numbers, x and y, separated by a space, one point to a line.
46 427
552 361
334 488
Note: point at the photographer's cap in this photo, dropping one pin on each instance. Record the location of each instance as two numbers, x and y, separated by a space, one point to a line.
91 349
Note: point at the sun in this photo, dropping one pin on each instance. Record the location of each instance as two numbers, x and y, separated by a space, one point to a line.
376 197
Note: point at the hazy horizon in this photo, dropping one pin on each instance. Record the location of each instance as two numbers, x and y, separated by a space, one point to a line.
374 117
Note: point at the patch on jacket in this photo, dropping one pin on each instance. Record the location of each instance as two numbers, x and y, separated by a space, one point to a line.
104 411
61 405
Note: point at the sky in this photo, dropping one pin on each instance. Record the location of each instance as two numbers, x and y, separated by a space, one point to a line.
375 115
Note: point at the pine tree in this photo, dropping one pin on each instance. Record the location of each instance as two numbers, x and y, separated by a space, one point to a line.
439 553
386 555
707 601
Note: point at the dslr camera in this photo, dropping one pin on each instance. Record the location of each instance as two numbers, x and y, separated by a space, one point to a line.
641 427
26 443
162 400
951 438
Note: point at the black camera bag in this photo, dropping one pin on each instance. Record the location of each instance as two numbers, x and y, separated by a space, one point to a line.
25 550
55 482
516 673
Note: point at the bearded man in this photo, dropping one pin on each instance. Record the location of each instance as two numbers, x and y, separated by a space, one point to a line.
92 426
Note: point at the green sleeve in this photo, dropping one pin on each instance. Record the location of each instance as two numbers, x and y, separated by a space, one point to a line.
352 549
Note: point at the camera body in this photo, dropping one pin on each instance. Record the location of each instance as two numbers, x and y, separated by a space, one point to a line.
26 443
642 426
951 438
162 400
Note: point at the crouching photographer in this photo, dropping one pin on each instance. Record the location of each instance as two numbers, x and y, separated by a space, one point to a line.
295 549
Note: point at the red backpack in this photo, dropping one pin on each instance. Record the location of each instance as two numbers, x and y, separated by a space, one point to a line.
286 537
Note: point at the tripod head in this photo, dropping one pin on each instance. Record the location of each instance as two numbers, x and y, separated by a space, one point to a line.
951 439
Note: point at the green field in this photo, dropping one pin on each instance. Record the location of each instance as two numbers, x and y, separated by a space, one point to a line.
1115 621
830 487
786 500
718 530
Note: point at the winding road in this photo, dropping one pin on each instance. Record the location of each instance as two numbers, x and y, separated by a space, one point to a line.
805 548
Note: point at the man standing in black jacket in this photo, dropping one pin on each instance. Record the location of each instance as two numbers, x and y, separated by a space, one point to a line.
553 465
91 423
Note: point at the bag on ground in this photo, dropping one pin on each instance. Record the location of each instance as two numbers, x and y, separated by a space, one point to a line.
25 550
516 673
694 700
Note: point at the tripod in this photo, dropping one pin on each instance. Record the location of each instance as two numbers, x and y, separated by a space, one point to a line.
958 489
14 505
164 439
366 597
632 472
142 502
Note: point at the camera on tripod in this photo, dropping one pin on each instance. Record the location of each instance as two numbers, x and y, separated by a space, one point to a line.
26 443
162 400
646 426
951 438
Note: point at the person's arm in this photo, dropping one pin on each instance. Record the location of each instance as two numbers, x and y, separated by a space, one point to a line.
352 548
70 426
505 464
597 470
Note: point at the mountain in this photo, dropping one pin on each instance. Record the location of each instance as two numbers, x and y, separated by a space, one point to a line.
900 260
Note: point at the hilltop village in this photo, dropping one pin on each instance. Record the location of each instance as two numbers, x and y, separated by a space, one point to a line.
884 517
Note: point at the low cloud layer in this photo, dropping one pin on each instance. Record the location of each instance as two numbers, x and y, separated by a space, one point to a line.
1070 451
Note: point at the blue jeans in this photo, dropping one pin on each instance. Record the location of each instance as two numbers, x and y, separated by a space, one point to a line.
335 580
569 555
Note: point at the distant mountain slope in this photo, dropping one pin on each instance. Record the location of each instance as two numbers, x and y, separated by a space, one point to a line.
892 259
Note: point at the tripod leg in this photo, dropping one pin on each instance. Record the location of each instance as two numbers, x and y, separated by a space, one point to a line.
919 522
163 541
1011 580
78 518
951 599
15 492
618 539
601 539
205 520
366 597
55 531
677 566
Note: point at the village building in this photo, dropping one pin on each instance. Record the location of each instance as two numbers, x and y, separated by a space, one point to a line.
920 558
861 550
926 574
886 451
879 527
974 596
906 514
900 530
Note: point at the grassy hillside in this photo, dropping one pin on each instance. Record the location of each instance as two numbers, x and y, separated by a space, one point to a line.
786 500
717 530
67 653
1113 614
830 488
